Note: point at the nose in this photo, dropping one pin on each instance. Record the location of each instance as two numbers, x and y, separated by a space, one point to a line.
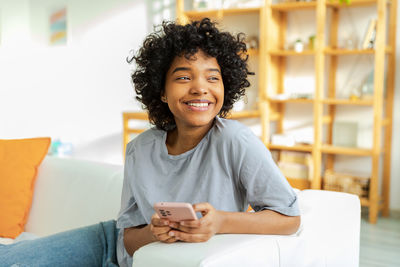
199 86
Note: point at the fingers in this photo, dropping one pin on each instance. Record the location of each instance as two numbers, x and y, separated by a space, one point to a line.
188 237
161 233
157 221
204 207
159 228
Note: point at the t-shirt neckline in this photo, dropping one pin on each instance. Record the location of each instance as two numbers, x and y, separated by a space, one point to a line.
164 150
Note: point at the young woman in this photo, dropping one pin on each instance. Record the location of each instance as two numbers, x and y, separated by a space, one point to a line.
188 77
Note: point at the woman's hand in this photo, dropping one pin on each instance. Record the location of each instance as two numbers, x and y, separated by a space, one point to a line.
160 229
199 230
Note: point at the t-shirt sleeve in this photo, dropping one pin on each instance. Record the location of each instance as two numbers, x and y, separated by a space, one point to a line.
129 214
264 184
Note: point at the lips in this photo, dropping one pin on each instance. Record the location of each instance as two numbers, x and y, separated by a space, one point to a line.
198 104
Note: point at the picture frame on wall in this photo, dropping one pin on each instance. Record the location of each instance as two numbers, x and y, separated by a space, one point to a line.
58 27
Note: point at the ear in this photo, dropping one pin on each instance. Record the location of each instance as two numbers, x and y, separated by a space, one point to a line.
164 98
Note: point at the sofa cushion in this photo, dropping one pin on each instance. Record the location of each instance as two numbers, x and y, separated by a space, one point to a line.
71 193
19 160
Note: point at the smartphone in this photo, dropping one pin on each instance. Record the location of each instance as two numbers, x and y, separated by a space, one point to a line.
175 211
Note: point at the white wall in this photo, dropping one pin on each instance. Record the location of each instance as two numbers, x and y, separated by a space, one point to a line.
77 92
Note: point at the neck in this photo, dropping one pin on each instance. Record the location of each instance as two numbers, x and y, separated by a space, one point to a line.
183 139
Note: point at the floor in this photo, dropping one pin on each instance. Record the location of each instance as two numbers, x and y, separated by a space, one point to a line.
380 243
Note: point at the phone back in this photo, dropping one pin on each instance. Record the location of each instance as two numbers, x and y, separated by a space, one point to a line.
175 211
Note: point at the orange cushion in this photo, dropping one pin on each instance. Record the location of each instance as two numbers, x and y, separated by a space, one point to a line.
19 160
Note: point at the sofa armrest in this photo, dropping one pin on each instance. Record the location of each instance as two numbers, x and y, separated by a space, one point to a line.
329 236
220 250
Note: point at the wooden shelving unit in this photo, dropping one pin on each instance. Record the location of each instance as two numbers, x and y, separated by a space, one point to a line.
276 60
272 58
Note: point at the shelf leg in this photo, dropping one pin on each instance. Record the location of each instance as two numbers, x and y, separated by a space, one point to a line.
373 212
373 190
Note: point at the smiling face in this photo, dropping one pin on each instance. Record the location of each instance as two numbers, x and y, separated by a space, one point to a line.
194 90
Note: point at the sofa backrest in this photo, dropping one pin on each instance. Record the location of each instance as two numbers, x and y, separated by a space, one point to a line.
71 193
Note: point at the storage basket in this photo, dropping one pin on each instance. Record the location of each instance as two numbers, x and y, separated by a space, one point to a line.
347 183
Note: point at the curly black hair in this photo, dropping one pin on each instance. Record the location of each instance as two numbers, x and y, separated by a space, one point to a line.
161 47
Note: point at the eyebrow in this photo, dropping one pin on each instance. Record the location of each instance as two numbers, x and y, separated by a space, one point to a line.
186 69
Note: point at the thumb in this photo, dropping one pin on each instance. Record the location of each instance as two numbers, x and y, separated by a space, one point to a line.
204 207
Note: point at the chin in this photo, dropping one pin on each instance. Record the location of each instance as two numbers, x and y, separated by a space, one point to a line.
201 122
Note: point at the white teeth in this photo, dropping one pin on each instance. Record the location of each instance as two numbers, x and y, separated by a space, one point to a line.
198 104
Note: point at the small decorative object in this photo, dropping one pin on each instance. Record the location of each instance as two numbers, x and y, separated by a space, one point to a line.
349 183
298 46
297 165
345 134
367 87
311 42
354 95
286 46
301 95
249 3
370 35
347 2
283 140
351 42
60 149
355 92
230 3
283 96
200 4
252 42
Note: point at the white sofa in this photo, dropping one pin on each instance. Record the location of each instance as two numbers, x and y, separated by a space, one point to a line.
70 193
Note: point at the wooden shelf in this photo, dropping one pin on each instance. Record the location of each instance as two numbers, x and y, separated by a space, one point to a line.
240 11
221 12
332 51
135 115
291 53
328 119
294 6
354 3
253 52
305 148
244 114
299 183
330 149
292 100
359 102
202 13
337 52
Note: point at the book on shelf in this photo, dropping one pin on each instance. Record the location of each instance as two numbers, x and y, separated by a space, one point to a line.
370 35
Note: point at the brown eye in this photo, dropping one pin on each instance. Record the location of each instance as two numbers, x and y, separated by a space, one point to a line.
213 78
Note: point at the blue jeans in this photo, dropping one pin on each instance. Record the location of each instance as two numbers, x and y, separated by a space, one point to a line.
93 245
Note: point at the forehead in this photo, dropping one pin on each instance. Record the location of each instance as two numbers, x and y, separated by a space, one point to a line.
200 60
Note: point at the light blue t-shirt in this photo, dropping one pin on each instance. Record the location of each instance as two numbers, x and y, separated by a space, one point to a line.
230 168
